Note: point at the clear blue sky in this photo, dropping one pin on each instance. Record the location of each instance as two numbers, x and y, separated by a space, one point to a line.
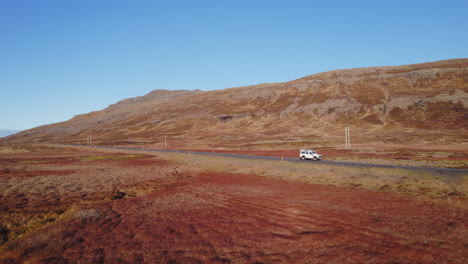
62 58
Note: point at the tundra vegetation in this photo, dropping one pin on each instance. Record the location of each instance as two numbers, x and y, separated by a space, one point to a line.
88 205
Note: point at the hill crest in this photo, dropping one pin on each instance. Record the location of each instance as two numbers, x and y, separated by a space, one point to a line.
428 96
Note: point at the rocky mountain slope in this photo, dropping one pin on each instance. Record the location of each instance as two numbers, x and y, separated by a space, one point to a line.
421 103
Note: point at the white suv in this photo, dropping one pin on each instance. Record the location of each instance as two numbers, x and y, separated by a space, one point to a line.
309 154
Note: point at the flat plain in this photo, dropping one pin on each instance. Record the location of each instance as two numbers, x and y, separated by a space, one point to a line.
85 205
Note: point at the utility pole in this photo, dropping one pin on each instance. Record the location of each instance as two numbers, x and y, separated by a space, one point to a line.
347 138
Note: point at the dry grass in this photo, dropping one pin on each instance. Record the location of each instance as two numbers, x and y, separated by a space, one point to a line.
178 208
39 184
411 182
12 150
421 183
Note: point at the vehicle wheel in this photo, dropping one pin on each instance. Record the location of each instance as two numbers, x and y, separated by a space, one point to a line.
302 158
315 159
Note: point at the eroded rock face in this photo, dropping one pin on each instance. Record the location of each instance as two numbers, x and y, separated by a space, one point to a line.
421 96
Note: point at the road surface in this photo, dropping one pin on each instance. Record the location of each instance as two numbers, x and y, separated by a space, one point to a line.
441 171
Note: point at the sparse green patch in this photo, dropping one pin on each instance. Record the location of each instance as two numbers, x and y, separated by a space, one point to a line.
112 157
33 161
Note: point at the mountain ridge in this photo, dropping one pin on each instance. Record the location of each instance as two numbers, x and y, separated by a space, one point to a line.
430 96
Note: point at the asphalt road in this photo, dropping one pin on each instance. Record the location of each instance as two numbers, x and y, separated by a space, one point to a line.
432 170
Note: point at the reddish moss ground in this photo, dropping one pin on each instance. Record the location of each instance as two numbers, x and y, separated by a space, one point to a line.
145 210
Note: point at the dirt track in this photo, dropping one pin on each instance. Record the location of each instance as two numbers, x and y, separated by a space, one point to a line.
157 212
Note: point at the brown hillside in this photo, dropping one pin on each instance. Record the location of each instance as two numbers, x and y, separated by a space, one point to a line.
418 104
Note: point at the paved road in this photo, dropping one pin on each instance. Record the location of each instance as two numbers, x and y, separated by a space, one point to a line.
437 171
